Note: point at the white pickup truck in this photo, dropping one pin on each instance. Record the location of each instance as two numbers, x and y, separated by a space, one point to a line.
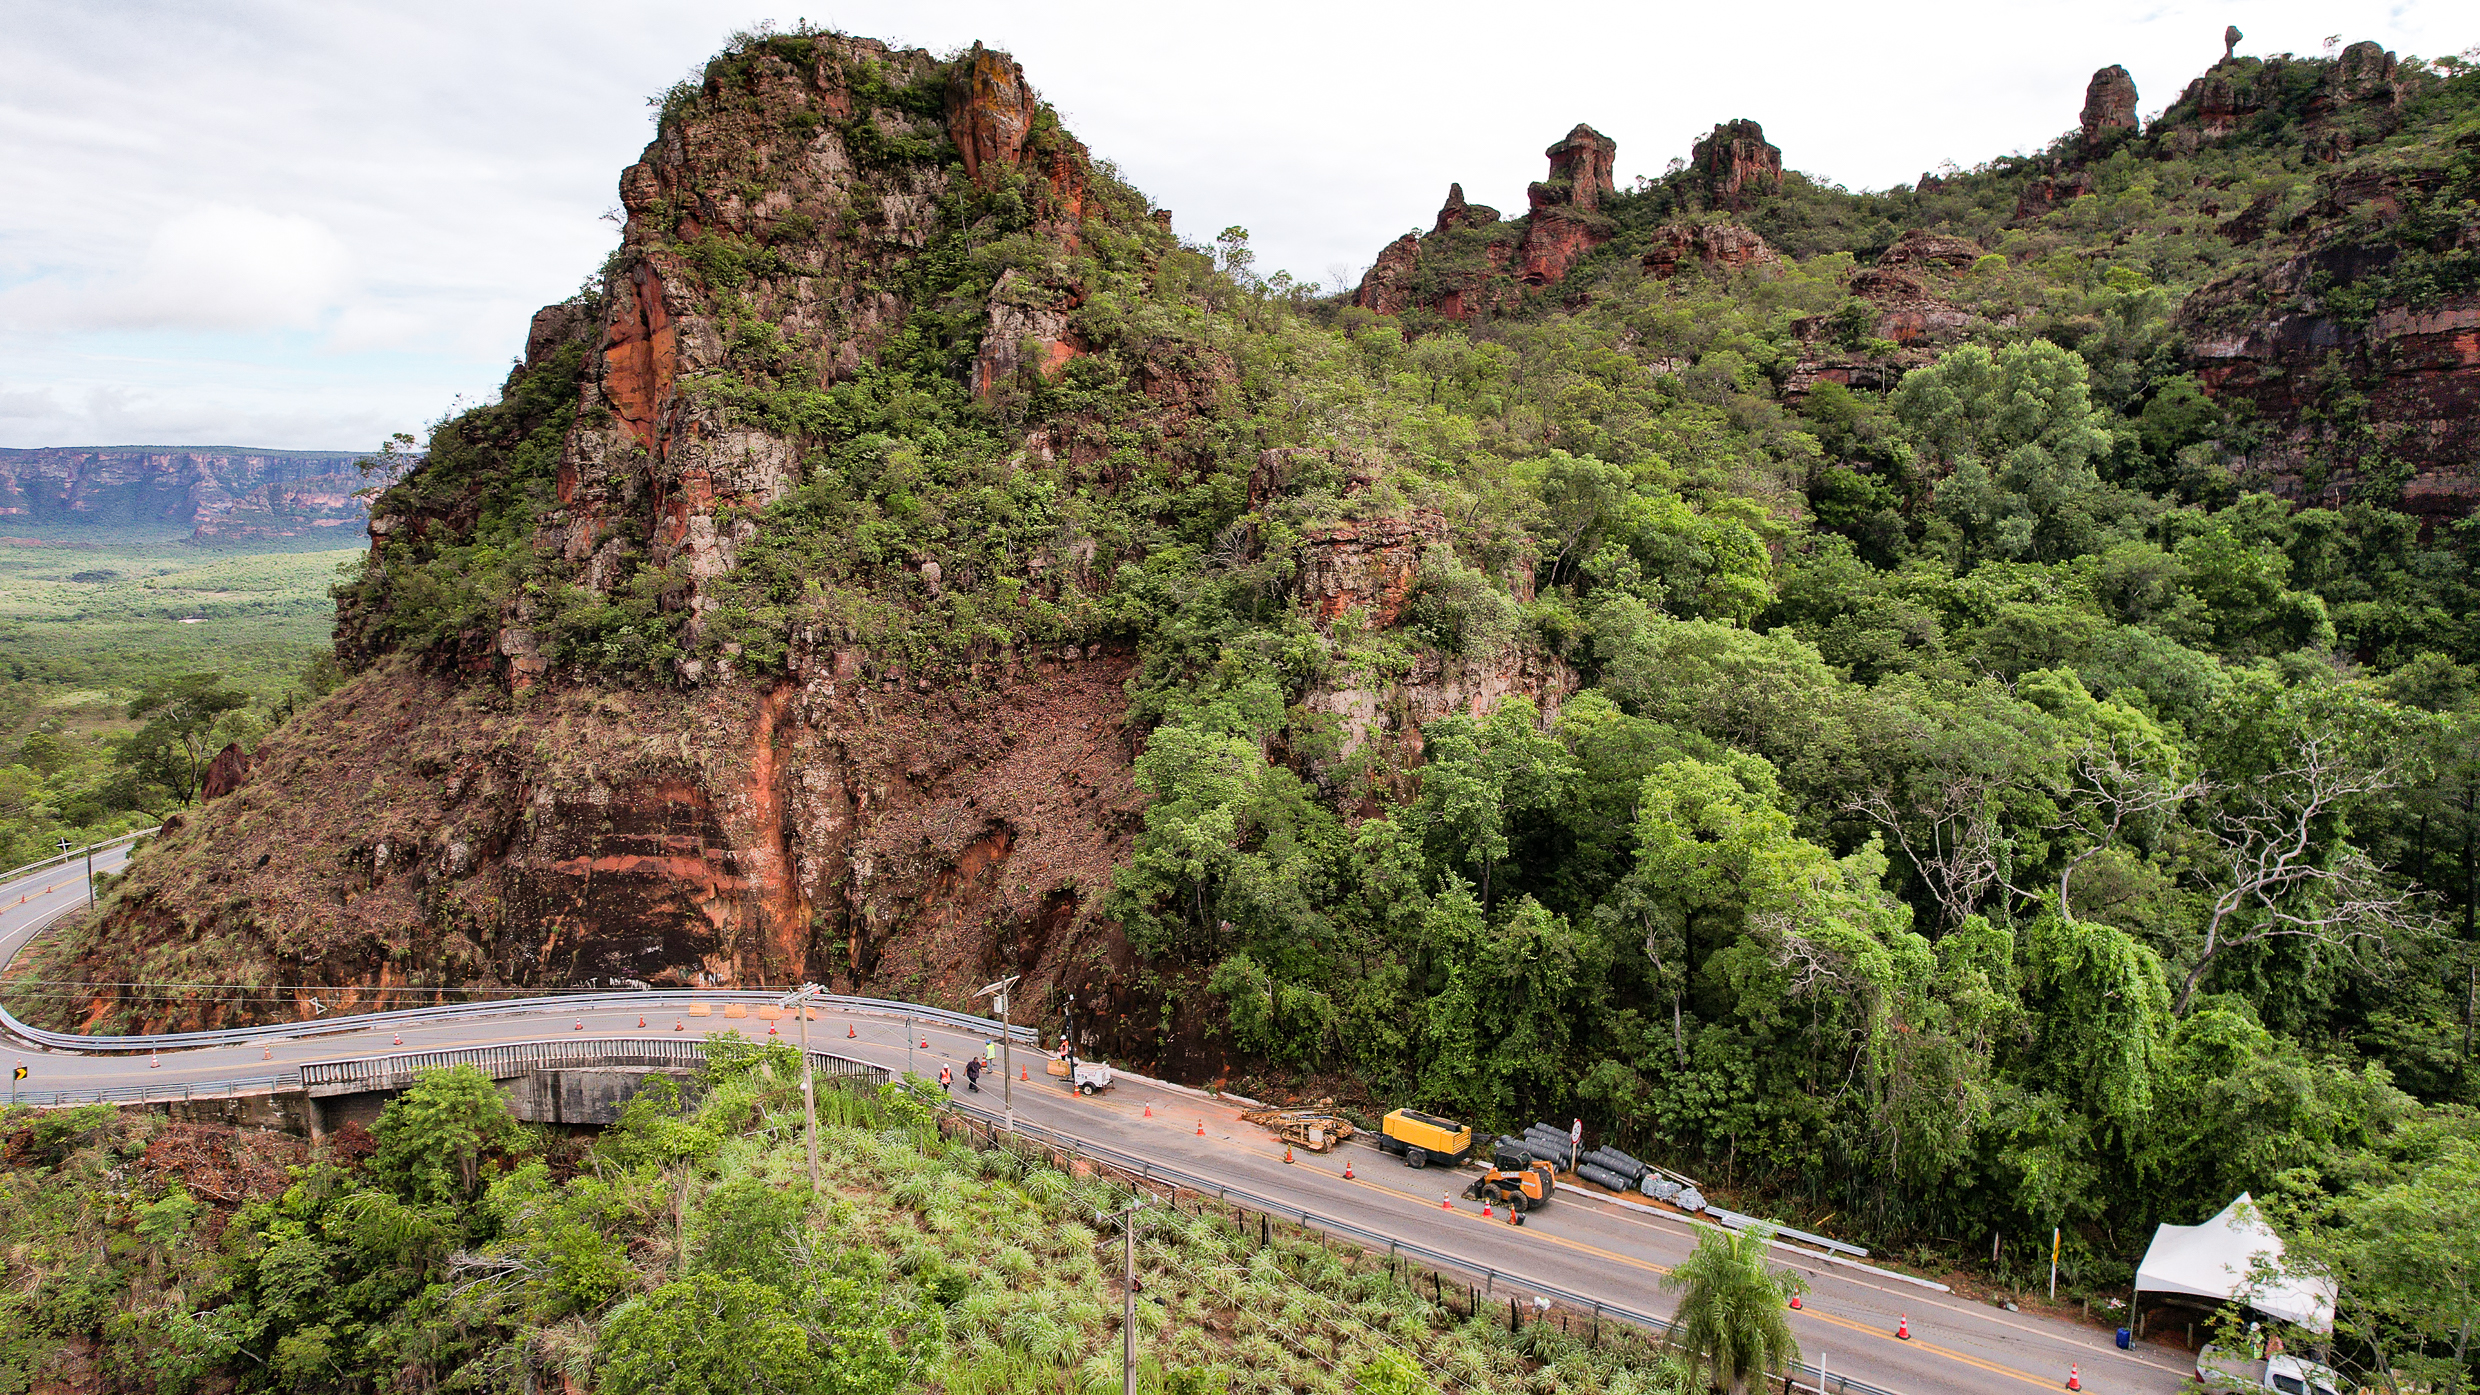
2223 1371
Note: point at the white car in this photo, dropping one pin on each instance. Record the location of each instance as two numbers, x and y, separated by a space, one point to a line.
2222 1371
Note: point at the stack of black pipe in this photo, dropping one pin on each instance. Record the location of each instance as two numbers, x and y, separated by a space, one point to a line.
1608 1167
1545 1142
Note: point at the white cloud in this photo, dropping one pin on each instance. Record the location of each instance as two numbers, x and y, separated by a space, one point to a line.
209 268
307 222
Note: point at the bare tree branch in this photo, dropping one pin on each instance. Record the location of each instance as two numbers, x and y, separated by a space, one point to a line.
1962 851
2107 796
2280 879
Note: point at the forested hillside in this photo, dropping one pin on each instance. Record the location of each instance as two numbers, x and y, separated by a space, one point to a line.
1953 707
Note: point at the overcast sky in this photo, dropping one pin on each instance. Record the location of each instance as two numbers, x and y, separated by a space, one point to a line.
309 223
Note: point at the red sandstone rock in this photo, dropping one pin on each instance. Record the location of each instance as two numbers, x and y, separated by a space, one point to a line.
229 771
1918 248
1580 171
1456 213
1387 286
1719 247
2109 103
1368 565
1736 163
990 110
2049 191
1564 224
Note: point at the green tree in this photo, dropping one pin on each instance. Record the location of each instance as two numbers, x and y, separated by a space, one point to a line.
2015 435
2405 1257
728 1334
178 740
436 1139
1732 1321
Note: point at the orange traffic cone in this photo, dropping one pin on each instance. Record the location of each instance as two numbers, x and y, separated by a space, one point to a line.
1445 1202
1287 1152
2074 1382
267 1054
581 1024
1347 1171
1485 1210
849 1032
1201 1128
1795 1300
641 1019
400 1039
1903 1327
155 1061
677 1026
770 1031
1149 1111
1023 1074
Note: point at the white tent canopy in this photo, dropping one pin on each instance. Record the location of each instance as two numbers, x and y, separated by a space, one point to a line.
2214 1260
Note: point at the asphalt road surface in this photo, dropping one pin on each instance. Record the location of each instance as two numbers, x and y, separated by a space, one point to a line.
1577 1243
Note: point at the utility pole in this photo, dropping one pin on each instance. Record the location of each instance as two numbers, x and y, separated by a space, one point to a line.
1007 1070
1127 1219
799 1000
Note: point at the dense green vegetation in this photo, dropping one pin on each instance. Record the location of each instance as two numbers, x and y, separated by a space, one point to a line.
454 1249
1979 811
93 618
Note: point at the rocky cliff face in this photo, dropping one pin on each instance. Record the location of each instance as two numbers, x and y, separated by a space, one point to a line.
863 812
1717 247
2380 398
216 493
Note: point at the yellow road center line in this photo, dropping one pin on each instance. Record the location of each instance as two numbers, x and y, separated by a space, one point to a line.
2045 1382
1963 1357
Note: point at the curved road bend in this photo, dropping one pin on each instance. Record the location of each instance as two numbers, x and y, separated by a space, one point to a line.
1586 1246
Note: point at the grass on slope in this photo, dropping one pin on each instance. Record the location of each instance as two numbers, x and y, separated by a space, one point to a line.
171 1257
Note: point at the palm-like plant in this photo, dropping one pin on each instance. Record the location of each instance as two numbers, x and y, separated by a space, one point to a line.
1732 1322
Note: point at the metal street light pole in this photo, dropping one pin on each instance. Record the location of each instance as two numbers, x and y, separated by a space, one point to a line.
799 1000
1128 1294
1007 1067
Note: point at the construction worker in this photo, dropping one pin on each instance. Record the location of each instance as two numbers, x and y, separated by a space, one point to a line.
990 1054
947 1080
973 1075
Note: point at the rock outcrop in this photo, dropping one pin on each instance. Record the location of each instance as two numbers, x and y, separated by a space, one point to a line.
1563 224
1735 164
2342 103
229 771
2389 399
1471 263
1913 323
2109 105
1717 247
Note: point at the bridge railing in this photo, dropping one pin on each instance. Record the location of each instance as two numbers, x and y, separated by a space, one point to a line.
1808 1375
400 1069
173 1090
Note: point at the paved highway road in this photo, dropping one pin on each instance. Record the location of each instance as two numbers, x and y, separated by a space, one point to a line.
1579 1244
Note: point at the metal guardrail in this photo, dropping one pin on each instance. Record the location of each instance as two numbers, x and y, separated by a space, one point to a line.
645 999
63 859
1809 1375
400 1069
150 1094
